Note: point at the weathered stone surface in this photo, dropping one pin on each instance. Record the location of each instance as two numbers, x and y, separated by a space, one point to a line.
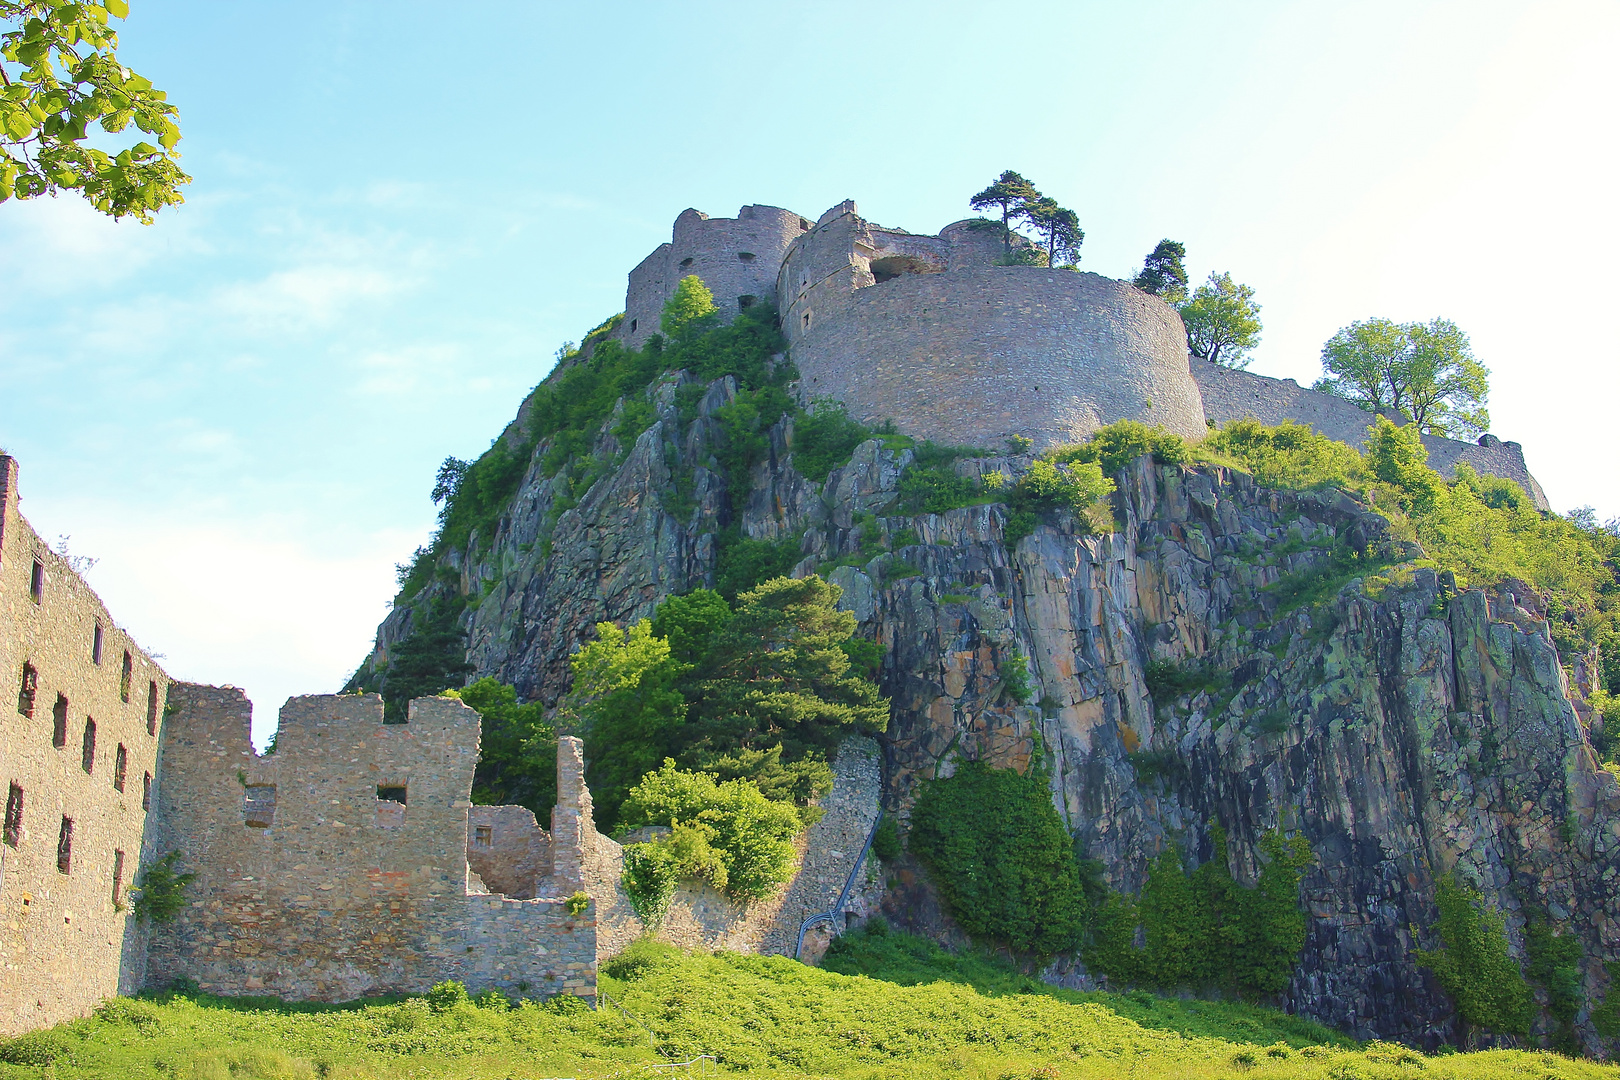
69 715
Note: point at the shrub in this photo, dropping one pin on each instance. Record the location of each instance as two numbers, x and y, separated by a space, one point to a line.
160 894
1120 443
886 841
1473 963
641 957
690 308
742 563
726 832
1001 857
1555 963
1205 929
447 995
1015 680
825 439
1289 455
578 903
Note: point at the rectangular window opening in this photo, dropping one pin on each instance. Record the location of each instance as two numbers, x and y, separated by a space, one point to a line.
59 726
146 791
120 767
14 812
96 642
64 847
36 583
89 761
126 676
30 687
390 805
632 326
483 836
259 806
118 879
151 707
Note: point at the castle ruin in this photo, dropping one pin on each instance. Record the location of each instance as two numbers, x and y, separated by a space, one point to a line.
936 335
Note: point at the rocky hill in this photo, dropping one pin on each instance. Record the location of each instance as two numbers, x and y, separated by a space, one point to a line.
1207 661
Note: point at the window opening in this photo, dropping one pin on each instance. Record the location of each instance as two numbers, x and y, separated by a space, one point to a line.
151 707
126 676
118 879
745 302
95 643
632 326
64 847
36 583
30 687
686 262
89 744
483 836
390 805
59 725
746 256
259 806
804 226
120 767
14 812
807 320
146 791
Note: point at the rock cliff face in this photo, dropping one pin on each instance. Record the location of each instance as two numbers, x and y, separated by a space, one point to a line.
1408 728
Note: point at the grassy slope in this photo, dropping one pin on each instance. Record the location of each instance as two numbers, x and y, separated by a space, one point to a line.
765 1015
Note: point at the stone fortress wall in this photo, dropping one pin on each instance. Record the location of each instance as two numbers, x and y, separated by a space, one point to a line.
1234 395
737 258
79 749
338 866
929 332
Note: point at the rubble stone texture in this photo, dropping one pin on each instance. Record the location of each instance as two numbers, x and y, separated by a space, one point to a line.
67 938
347 891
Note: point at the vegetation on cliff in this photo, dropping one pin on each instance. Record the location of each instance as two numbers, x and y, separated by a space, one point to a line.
766 1016
1424 371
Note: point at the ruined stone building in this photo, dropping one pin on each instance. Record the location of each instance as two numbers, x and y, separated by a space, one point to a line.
348 862
934 334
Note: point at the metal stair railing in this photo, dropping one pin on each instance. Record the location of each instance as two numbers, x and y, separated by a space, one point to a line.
849 884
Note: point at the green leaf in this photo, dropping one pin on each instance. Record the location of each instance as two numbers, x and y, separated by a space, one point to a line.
118 9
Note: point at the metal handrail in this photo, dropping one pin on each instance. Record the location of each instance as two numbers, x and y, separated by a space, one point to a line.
849 884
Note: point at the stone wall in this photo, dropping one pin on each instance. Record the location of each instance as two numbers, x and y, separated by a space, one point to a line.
67 938
702 918
737 258
955 349
336 867
1233 395
508 850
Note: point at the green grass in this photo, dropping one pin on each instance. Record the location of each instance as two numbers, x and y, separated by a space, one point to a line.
768 1016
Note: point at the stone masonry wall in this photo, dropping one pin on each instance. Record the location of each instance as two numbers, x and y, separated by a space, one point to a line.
702 918
508 850
1233 395
314 882
67 938
976 353
737 258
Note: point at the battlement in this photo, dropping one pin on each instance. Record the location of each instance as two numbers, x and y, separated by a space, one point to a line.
932 333
737 258
338 866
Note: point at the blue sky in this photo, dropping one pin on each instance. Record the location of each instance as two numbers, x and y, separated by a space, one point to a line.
401 210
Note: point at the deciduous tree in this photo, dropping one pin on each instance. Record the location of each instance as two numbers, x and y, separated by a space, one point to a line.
1427 371
1222 320
59 73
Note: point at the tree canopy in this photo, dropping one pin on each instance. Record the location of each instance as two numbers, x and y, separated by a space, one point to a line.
517 749
60 73
1164 272
690 308
1019 201
1007 195
759 691
1222 320
1426 371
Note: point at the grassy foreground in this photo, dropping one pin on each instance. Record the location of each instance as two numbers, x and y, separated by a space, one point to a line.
764 1015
